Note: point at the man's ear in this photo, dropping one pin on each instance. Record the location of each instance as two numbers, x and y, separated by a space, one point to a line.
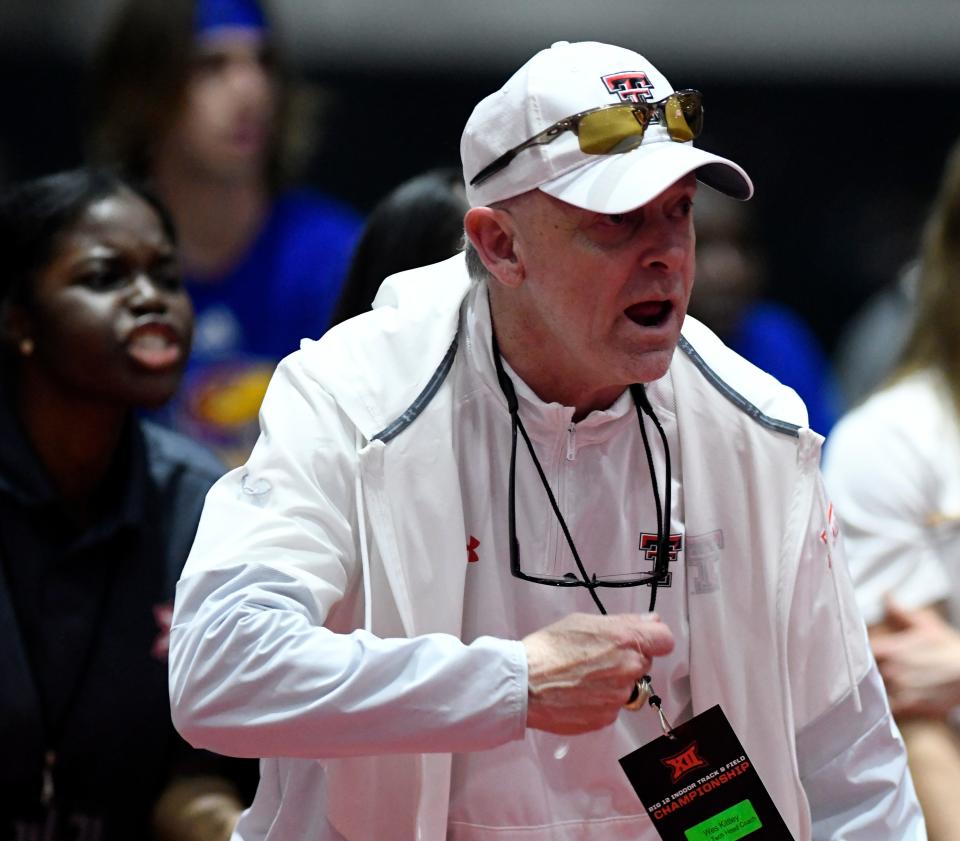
493 235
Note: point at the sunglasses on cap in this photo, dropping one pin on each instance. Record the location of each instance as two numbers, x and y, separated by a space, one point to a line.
612 129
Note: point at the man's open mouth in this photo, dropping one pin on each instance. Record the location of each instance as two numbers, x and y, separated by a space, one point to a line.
650 313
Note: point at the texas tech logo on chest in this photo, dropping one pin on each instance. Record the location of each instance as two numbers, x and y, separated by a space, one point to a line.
650 543
629 85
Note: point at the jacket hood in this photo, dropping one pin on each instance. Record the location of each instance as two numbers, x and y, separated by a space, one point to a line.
405 338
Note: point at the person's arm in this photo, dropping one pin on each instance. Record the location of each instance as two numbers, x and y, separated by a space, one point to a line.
254 671
885 482
918 654
852 761
934 756
854 771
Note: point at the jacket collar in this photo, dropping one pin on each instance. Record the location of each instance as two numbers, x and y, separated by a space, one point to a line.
377 364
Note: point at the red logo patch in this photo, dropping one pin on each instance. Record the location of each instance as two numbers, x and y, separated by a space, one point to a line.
681 764
650 543
829 535
629 85
472 556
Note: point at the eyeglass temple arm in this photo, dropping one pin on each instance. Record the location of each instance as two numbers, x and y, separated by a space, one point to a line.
545 136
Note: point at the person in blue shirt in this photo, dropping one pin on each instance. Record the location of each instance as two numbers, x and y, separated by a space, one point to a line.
192 96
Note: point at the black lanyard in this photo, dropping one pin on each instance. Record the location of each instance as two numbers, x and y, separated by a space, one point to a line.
643 407
644 686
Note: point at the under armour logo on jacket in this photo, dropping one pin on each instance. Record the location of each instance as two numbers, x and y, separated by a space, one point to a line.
472 556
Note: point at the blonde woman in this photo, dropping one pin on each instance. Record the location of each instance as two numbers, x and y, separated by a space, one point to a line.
893 467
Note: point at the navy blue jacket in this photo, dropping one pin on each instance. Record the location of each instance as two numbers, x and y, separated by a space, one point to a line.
84 620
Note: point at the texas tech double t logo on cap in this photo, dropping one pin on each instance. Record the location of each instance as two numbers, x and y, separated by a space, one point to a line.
629 85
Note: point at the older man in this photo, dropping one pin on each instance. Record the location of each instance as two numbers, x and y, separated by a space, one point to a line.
427 598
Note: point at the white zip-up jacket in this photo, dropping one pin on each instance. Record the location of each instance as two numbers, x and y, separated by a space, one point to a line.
318 617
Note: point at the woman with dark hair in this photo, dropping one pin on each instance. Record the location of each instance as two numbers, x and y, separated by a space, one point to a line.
191 96
97 513
893 466
418 223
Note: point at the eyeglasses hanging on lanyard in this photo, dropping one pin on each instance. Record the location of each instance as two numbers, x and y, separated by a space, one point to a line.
582 578
643 691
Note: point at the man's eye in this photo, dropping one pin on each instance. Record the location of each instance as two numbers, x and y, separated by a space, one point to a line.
616 218
683 208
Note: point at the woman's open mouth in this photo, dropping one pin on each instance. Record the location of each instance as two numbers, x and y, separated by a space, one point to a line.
649 313
155 346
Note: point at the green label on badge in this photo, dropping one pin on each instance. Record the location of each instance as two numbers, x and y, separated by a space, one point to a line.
728 825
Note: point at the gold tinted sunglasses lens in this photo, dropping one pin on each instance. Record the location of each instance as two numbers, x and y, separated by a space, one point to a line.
611 130
683 114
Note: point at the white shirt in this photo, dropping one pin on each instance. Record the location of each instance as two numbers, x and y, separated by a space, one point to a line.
893 467
547 787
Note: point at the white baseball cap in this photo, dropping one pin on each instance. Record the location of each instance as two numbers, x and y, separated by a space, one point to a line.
557 83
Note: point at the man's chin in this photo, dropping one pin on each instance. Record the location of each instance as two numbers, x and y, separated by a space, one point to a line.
650 365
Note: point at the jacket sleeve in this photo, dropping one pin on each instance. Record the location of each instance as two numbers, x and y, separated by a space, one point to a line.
852 761
264 656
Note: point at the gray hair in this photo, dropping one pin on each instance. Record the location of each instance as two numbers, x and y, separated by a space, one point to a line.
475 267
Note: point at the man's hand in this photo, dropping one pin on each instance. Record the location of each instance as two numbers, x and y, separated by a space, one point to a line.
582 669
918 654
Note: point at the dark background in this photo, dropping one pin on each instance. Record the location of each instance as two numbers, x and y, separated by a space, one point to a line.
845 151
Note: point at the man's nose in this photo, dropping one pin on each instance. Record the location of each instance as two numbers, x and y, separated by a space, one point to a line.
665 247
